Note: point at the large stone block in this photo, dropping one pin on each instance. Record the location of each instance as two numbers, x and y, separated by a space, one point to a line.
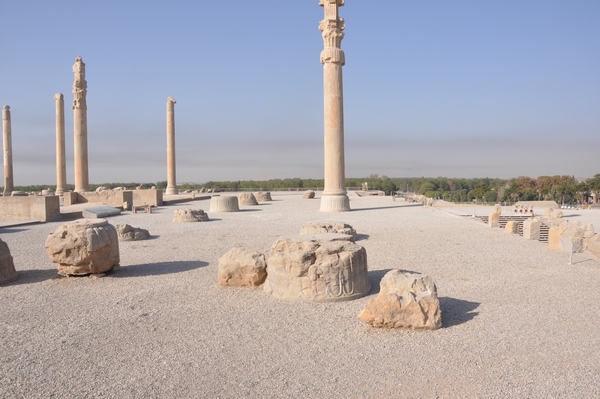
494 219
405 300
512 227
317 268
531 228
263 196
592 245
224 204
84 247
241 267
189 215
7 267
329 227
247 199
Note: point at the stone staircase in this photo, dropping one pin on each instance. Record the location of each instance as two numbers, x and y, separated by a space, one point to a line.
520 219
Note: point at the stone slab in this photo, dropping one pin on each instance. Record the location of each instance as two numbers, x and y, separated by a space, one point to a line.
99 212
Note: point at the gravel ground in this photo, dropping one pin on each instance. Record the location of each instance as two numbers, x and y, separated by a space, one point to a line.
518 321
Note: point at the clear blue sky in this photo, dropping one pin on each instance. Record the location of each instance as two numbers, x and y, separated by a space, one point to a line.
432 88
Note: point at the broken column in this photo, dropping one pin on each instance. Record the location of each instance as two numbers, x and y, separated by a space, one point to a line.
7 146
80 127
334 197
61 166
171 183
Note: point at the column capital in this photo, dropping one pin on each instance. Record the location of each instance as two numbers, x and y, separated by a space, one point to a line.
332 27
58 96
79 84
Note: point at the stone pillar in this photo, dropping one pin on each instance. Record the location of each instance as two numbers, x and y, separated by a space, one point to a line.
334 197
80 127
61 166
171 183
7 145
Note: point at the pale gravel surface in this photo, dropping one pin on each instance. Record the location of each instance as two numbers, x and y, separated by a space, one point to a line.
518 321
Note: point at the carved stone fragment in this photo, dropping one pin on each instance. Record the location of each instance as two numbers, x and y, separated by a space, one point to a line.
310 194
242 267
329 227
129 233
247 199
190 215
263 196
7 267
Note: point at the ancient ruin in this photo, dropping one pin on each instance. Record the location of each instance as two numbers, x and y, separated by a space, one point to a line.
263 196
80 153
171 181
190 215
329 227
406 300
317 268
309 194
61 165
226 203
335 198
7 267
126 232
84 247
247 199
7 146
242 267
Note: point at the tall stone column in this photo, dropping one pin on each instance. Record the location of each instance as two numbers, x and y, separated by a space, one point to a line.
7 146
171 183
334 197
61 166
80 127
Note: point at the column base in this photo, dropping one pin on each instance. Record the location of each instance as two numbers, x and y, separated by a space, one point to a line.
335 203
59 192
171 191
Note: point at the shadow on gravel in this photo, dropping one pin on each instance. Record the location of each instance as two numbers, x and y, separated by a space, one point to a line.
34 276
571 216
383 207
362 237
457 311
156 269
251 210
7 230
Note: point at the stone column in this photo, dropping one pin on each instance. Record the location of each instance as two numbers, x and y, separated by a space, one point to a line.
61 166
171 183
334 197
7 145
80 127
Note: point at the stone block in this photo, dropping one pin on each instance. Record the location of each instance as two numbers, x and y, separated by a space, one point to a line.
317 268
102 211
494 219
329 227
224 204
308 194
406 300
126 232
592 245
84 247
531 229
189 215
247 199
7 267
263 196
242 267
512 227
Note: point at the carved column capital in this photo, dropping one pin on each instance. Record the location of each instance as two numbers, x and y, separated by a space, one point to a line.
332 27
79 84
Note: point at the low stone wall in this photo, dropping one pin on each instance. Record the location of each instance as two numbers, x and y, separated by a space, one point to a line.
38 208
153 197
114 198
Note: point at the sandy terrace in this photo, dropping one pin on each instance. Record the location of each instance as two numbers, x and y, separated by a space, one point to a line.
518 321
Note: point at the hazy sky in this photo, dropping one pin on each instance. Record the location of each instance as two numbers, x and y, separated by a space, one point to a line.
431 88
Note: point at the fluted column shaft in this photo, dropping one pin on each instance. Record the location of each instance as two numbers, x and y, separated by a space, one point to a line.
7 146
61 165
171 180
80 152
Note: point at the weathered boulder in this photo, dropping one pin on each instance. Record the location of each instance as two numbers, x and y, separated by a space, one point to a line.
247 199
317 268
512 227
224 204
329 227
129 233
84 247
190 215
309 194
263 196
555 233
531 228
572 236
7 267
242 267
405 300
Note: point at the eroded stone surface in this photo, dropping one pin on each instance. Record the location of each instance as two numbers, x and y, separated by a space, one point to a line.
318 268
247 199
242 267
329 227
225 203
7 267
310 194
531 228
129 233
406 300
512 227
263 196
84 247
190 215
